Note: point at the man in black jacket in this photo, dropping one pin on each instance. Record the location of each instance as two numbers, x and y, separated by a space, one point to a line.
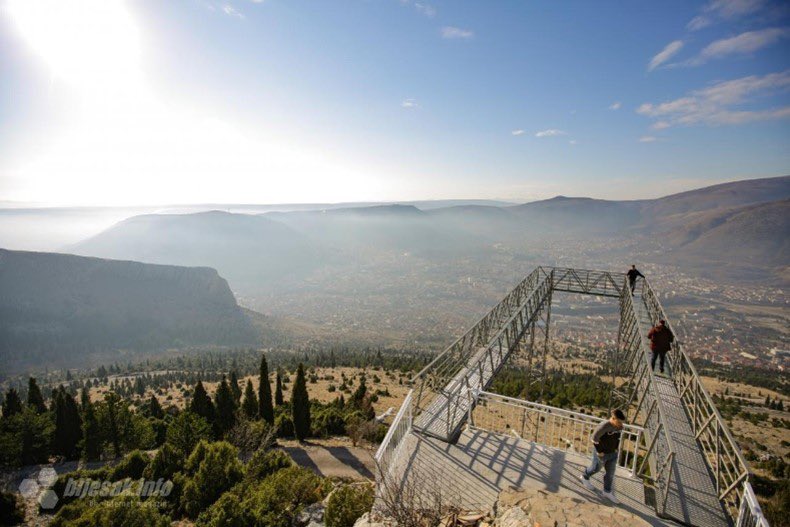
632 274
606 440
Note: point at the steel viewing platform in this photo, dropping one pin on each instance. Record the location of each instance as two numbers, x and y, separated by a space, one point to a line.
453 441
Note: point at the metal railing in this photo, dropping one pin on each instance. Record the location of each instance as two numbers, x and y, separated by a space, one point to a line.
750 514
722 453
388 452
553 427
586 281
661 450
473 360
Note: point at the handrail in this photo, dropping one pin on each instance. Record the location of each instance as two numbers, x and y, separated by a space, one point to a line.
662 428
717 442
387 453
557 421
710 429
679 352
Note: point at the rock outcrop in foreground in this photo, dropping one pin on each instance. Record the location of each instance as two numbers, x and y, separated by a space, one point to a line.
531 508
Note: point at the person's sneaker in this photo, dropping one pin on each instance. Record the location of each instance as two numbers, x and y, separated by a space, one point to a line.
611 497
586 482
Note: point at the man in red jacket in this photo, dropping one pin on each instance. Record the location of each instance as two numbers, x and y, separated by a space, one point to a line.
660 343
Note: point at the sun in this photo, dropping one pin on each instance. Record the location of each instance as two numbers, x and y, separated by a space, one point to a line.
88 43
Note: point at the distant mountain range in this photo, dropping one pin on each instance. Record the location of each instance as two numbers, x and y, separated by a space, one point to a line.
281 248
347 271
60 309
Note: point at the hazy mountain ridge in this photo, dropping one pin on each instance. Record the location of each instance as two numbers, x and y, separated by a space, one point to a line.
282 249
740 237
58 308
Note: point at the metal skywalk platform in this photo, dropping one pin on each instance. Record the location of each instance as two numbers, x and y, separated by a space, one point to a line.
683 455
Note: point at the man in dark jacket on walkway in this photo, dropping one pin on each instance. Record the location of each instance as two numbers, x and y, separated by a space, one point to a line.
633 273
661 339
606 440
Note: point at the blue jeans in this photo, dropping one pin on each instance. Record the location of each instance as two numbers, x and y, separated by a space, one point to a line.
609 463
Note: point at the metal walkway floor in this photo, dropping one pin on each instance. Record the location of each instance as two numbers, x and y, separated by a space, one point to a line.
693 499
471 473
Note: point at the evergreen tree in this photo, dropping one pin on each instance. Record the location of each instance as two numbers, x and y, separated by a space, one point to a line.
154 408
68 424
91 433
234 387
265 409
34 436
12 404
111 422
201 403
139 387
34 397
85 398
250 405
278 392
225 404
300 405
358 396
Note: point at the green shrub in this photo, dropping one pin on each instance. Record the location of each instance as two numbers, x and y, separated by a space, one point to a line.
211 469
347 504
225 512
264 464
131 466
278 499
285 426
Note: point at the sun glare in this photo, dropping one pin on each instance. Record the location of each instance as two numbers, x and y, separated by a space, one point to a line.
92 44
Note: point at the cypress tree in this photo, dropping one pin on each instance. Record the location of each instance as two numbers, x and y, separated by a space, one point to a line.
359 394
201 403
278 392
250 405
111 423
12 404
234 387
91 439
68 424
34 397
265 409
154 408
225 406
300 405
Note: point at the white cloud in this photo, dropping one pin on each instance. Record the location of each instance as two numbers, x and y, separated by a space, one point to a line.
716 10
647 139
665 54
231 11
744 43
573 142
551 132
615 105
517 132
451 32
425 9
716 104
409 103
698 22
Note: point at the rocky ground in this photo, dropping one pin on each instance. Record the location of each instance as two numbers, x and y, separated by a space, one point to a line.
531 508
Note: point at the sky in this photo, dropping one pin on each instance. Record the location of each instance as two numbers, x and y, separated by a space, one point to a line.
147 102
